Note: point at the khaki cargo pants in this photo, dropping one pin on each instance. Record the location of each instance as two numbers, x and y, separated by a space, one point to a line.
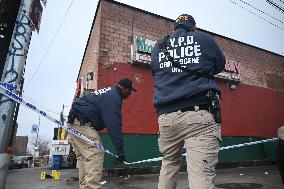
89 158
201 136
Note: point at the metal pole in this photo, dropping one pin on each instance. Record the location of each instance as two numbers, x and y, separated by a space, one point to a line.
37 130
14 125
12 73
60 130
8 14
35 147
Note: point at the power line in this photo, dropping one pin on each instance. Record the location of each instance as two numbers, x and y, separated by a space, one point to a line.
258 16
53 39
275 5
261 11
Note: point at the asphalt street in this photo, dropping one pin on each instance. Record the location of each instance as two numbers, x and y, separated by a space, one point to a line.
262 177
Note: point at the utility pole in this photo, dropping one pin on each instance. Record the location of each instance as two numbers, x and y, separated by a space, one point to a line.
8 13
12 73
14 125
36 147
61 131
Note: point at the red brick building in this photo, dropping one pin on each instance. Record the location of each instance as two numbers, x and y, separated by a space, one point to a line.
20 145
120 44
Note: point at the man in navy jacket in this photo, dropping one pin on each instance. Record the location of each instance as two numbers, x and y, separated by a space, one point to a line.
182 104
280 152
91 113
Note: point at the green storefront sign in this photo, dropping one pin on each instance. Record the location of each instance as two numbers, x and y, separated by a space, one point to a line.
142 49
144 45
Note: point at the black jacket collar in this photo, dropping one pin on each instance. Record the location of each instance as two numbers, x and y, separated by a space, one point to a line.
119 91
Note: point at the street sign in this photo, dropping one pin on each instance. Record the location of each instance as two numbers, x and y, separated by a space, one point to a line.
34 128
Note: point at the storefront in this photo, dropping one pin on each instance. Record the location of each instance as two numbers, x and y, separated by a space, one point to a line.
252 84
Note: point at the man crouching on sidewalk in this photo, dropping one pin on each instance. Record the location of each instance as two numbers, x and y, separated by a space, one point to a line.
91 113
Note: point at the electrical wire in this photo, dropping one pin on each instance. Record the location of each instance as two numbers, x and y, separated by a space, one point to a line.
47 51
258 16
275 5
261 11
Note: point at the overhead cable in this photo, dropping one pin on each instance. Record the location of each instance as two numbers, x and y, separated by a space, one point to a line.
261 11
258 15
53 39
272 3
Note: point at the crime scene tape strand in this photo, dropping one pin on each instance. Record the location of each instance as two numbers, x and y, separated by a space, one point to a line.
5 89
222 148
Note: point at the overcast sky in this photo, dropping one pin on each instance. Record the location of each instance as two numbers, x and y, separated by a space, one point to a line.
59 50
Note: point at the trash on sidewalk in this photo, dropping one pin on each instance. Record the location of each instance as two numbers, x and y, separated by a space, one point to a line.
103 182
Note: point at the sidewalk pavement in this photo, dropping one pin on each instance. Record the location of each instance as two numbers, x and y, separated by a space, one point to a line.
262 177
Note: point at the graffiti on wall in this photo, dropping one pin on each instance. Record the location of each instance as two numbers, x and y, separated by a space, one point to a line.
17 51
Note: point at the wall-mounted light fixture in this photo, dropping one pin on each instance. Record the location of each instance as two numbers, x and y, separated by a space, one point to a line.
232 85
90 76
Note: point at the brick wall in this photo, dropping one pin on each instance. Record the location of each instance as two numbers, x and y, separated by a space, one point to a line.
20 145
91 56
247 111
258 67
119 24
251 111
138 112
255 108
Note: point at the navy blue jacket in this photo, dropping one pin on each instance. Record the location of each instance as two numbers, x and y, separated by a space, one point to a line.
175 89
103 109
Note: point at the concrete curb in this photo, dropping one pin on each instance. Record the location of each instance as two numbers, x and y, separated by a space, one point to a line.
156 169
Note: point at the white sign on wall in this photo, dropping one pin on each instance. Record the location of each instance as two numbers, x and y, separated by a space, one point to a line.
231 71
60 147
